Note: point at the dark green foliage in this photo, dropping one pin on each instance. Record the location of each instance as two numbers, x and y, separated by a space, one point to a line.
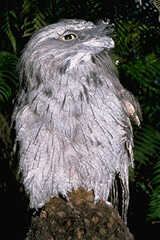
138 52
8 80
154 204
147 145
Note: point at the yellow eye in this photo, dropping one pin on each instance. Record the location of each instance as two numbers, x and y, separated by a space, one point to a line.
68 37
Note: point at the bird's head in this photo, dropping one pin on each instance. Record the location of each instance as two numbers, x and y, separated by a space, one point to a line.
66 45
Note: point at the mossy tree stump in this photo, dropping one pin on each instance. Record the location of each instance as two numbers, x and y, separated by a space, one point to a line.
79 218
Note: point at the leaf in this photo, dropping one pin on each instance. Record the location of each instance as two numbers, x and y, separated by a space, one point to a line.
146 144
32 16
146 147
154 204
10 24
8 79
7 29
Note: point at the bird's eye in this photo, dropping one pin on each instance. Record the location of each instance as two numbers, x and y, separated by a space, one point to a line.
68 37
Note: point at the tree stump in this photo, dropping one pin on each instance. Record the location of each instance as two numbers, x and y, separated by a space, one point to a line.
79 218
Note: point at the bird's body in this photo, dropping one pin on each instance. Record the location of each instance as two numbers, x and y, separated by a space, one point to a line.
72 115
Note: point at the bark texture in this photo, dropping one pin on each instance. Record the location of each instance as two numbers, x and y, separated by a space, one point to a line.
79 218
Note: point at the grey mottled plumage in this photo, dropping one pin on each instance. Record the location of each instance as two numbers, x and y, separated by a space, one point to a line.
72 115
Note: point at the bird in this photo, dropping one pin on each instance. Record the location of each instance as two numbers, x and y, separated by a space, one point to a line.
72 116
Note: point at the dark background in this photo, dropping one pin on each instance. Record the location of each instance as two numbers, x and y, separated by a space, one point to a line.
137 38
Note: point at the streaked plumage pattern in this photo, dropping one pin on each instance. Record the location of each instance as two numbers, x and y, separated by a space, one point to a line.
72 116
